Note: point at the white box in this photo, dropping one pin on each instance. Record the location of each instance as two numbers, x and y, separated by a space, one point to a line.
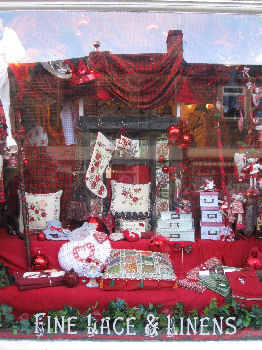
176 224
133 225
175 235
210 230
172 215
209 199
211 214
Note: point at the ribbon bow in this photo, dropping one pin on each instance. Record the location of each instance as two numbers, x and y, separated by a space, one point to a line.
59 229
187 248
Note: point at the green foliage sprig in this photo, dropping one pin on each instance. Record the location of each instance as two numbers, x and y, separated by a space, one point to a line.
245 318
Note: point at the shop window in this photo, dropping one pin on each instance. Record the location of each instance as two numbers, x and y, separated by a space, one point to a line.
234 98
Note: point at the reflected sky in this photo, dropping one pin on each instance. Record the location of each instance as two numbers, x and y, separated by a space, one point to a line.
208 38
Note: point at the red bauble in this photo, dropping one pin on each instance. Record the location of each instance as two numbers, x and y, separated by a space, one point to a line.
71 279
39 262
185 139
25 161
41 236
173 133
165 169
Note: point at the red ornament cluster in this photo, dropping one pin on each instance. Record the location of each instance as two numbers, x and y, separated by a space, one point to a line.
176 135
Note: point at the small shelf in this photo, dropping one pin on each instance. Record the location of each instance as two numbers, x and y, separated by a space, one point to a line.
136 124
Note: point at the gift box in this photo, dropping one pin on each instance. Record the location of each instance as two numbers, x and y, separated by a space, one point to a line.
205 266
210 230
209 199
177 224
211 214
172 215
177 235
39 279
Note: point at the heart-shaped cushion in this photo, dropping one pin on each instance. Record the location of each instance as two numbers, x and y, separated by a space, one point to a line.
75 254
100 237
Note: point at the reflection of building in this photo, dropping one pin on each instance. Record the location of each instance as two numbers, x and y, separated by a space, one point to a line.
146 93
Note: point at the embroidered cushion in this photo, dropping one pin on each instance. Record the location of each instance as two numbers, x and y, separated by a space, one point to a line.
129 269
130 198
41 209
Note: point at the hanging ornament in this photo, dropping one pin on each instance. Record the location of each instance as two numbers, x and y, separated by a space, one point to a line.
39 262
173 133
25 162
240 121
219 105
12 161
185 140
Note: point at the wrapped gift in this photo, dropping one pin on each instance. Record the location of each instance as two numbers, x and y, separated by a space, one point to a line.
211 214
210 230
172 215
209 199
205 266
35 280
191 285
217 283
177 235
177 224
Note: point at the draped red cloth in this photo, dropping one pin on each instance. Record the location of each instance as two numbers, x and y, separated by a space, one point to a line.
140 80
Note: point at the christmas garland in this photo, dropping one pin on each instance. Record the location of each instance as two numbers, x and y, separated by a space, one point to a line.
120 310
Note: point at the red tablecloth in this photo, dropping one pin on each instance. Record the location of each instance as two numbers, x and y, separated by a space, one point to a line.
12 253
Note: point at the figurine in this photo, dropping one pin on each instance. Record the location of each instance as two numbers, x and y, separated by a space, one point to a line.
209 185
92 269
237 208
252 170
240 163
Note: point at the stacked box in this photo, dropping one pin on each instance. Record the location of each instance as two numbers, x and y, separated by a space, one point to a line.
211 218
133 225
176 226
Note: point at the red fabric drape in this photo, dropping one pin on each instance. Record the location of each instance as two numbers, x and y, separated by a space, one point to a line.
142 80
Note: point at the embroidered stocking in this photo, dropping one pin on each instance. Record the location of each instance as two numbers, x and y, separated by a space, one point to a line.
100 158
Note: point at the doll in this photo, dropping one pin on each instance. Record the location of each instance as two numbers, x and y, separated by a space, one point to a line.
237 209
252 169
240 163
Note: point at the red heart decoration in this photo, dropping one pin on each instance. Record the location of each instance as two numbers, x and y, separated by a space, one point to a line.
88 247
131 236
100 237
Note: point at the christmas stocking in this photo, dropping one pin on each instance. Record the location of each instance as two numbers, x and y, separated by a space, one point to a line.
100 158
